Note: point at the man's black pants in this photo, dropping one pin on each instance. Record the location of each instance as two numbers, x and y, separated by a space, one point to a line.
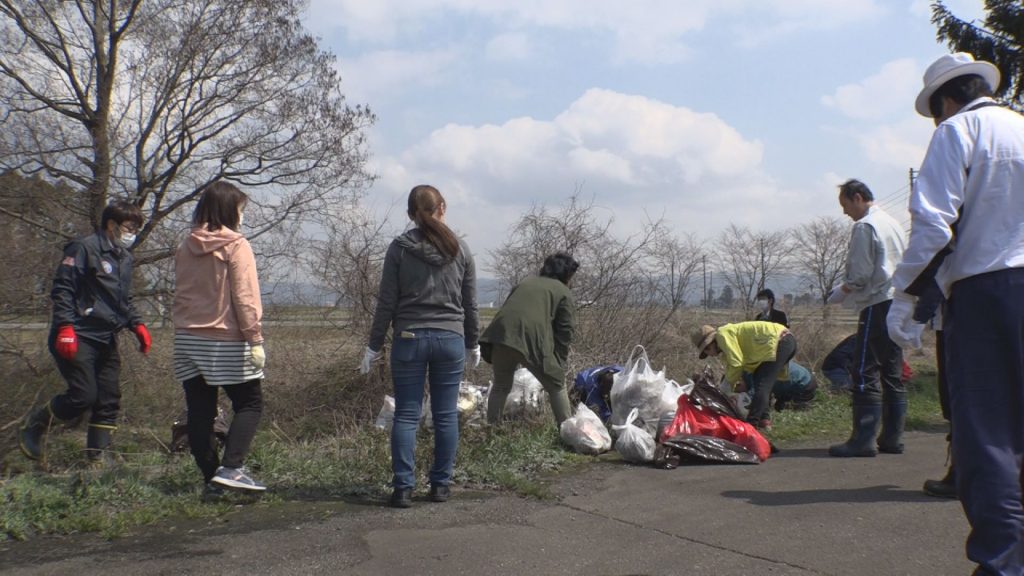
984 356
877 360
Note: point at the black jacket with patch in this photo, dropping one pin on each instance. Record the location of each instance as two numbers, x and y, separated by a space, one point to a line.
92 289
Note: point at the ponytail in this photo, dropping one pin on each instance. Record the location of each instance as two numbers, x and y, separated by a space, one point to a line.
424 202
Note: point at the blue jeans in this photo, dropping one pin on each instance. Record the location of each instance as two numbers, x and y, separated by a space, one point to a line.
441 355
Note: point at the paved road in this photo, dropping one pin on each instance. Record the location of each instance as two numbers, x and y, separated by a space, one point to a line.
799 513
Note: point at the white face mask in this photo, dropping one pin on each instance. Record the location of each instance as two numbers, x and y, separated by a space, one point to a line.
763 306
126 240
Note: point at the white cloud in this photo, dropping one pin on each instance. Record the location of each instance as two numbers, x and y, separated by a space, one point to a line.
371 77
890 92
636 156
900 145
880 108
509 47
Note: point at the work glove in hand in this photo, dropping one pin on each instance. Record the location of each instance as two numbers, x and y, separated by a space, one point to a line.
66 342
369 357
473 357
259 356
145 341
836 296
903 330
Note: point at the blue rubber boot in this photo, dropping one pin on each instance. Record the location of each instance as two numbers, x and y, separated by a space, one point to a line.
866 420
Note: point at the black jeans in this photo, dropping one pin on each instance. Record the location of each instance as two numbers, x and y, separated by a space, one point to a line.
93 383
877 368
765 376
201 400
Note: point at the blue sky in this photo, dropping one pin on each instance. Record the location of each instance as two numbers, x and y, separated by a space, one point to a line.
708 112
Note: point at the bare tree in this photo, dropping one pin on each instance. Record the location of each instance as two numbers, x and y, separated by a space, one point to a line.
152 100
819 251
749 259
348 263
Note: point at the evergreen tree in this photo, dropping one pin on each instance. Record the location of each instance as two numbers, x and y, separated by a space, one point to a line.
1000 40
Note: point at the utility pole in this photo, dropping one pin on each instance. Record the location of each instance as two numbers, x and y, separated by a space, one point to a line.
913 176
704 268
760 282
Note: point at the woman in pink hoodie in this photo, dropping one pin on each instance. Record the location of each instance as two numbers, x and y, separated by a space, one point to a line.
218 340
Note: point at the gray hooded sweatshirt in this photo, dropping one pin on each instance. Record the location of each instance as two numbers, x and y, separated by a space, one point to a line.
422 288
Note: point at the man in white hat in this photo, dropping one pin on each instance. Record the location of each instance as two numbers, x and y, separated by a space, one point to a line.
967 236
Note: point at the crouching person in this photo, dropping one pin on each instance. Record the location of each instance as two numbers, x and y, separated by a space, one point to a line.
762 348
533 328
218 337
793 393
92 303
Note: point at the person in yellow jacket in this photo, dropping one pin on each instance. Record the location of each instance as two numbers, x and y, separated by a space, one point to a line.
763 349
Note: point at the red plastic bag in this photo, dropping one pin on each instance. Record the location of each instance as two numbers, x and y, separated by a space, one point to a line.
693 419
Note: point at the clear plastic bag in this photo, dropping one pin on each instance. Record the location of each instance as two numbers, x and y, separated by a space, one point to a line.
633 443
527 394
386 416
585 433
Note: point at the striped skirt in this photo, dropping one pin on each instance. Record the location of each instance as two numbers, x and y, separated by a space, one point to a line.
219 362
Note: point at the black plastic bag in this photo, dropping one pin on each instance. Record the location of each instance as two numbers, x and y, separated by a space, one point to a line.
698 448
706 394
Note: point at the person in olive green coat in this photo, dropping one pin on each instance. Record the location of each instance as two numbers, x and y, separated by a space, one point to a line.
533 328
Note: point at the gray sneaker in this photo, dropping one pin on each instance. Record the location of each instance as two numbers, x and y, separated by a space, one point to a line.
236 478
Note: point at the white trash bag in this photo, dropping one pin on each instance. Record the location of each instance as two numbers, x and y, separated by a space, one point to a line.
585 433
639 386
633 443
386 416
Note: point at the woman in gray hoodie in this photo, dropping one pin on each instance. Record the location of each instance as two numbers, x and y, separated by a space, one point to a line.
428 297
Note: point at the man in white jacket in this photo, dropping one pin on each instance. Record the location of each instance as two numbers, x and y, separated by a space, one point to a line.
967 236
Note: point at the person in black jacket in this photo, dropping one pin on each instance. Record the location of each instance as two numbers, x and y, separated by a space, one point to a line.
765 306
91 303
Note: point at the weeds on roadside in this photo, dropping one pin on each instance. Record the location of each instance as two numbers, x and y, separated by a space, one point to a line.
146 484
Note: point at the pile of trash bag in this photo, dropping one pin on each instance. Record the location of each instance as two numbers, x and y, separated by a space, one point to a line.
639 386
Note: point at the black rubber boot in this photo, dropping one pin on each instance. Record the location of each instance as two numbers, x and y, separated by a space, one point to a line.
866 420
945 488
32 435
97 440
894 416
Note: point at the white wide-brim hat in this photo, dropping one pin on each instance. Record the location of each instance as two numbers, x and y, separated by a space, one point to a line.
948 67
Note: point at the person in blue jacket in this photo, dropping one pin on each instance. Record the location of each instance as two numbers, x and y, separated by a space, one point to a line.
92 303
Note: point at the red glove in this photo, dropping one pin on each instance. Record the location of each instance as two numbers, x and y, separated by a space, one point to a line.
66 343
145 342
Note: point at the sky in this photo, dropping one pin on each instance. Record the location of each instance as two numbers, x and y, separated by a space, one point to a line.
704 112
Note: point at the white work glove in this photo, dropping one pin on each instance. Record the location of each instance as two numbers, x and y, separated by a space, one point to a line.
473 357
369 357
259 356
836 296
900 322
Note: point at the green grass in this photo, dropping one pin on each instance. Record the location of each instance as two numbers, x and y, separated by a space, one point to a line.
147 484
829 419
